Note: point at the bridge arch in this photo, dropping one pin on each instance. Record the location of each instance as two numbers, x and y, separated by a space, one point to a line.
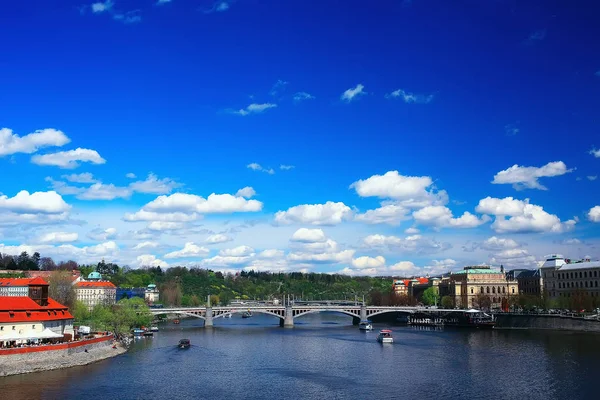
379 312
314 311
183 313
253 311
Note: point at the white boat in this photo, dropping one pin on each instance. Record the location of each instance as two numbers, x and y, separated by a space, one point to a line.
154 328
228 315
365 326
385 336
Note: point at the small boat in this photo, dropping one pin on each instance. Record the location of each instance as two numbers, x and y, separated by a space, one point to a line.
247 314
385 336
148 333
138 332
184 344
365 326
228 315
154 328
175 321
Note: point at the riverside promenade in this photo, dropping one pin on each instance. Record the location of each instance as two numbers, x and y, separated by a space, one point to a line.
23 360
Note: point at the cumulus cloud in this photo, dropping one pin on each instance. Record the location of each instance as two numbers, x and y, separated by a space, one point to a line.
214 204
416 244
217 238
86 254
595 152
514 258
497 244
11 143
146 245
58 237
246 192
286 167
308 235
592 177
34 203
101 7
84 177
329 213
143 215
514 215
441 217
101 191
130 175
154 185
189 250
392 214
149 260
258 167
353 93
408 97
527 177
368 262
254 108
219 6
594 214
68 159
100 234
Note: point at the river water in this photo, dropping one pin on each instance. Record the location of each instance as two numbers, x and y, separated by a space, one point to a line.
325 357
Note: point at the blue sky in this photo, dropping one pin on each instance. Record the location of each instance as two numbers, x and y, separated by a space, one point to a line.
403 116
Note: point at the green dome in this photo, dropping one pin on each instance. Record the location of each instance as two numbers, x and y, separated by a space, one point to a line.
94 275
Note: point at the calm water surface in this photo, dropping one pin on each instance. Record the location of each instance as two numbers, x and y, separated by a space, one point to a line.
325 357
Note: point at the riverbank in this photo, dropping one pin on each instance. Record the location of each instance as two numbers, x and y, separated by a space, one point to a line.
546 322
34 359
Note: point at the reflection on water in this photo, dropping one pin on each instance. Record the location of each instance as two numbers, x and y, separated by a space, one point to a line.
324 356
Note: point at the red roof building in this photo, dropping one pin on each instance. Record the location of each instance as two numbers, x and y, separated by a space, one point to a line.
92 293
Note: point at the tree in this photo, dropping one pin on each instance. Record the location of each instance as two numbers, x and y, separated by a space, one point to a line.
61 288
482 301
430 296
448 302
80 312
47 264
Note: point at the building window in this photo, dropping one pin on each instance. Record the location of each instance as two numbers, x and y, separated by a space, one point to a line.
513 290
585 274
595 274
13 327
471 290
482 289
596 284
488 289
585 283
503 290
32 326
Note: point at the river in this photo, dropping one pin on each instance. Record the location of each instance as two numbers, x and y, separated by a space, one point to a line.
325 357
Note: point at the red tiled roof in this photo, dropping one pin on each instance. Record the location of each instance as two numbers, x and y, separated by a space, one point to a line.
423 280
86 284
24 309
22 281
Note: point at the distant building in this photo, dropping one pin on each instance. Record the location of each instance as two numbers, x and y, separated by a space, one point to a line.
151 295
464 286
128 293
34 316
562 278
530 281
94 291
75 275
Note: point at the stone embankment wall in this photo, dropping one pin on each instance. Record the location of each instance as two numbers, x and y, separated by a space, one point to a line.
45 358
556 322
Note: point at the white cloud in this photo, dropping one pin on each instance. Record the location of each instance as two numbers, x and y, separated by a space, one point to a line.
215 203
246 192
391 214
240 251
218 238
143 215
219 6
416 244
58 237
329 213
11 143
527 177
154 185
441 217
514 258
271 253
189 250
86 254
392 185
165 226
101 191
160 2
308 235
594 214
408 97
278 87
255 108
100 7
130 175
148 260
286 167
301 96
34 203
592 177
523 217
511 130
353 93
343 256
69 159
100 234
258 167
368 262
411 231
129 17
497 244
146 245
84 177
595 152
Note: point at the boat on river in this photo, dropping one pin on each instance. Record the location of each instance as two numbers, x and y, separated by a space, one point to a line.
148 333
154 328
184 344
470 319
228 315
385 336
138 332
247 314
175 321
365 326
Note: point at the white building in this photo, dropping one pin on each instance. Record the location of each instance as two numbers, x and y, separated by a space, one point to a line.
152 294
562 278
94 291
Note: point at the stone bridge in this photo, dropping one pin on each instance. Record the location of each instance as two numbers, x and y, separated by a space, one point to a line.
287 313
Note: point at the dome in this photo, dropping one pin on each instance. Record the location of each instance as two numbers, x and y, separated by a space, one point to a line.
94 276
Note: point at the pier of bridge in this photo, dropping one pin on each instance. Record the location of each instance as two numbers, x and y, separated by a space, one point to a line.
289 311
